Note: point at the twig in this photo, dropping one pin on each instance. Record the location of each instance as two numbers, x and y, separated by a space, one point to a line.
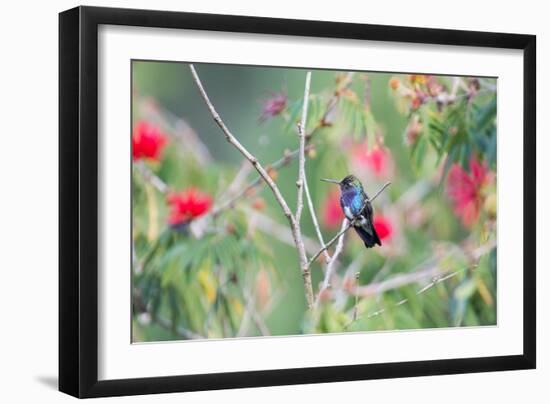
401 280
254 315
355 309
331 104
387 184
302 153
435 273
305 267
330 243
274 188
347 227
237 182
176 126
202 154
154 180
233 141
332 261
281 232
315 221
283 161
430 270
430 285
264 223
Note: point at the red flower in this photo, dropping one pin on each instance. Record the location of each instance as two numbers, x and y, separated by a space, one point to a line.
187 205
377 159
332 211
273 106
383 227
147 141
464 189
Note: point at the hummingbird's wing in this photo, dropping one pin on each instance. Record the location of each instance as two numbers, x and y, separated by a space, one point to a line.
366 230
367 210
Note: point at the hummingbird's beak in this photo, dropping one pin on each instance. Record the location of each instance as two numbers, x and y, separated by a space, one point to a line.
329 180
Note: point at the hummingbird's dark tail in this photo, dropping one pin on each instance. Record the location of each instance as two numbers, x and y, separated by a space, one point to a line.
369 239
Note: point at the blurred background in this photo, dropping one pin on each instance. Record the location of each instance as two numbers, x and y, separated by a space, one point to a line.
213 253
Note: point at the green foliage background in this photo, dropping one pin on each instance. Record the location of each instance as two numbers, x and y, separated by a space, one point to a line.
179 284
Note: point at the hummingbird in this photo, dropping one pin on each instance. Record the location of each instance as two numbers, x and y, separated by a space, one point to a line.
357 208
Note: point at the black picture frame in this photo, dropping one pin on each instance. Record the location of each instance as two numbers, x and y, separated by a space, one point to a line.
78 201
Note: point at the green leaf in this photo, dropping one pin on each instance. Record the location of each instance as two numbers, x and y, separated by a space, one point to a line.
448 163
486 115
420 151
466 289
223 254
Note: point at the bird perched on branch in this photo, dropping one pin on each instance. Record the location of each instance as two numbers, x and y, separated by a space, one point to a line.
357 207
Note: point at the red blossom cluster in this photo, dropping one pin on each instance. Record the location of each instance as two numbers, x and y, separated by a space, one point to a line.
465 189
187 205
383 227
377 159
331 211
147 141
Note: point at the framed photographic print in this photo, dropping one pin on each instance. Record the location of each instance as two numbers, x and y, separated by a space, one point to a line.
251 201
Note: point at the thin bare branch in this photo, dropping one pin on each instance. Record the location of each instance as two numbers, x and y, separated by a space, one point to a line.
430 285
233 141
437 276
355 308
387 184
315 221
281 232
153 179
238 181
257 182
305 267
330 242
275 189
252 313
332 103
263 222
176 126
330 266
432 270
302 153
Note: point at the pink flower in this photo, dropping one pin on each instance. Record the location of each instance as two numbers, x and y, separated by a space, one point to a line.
332 211
147 141
433 86
187 205
464 189
273 106
383 227
377 159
